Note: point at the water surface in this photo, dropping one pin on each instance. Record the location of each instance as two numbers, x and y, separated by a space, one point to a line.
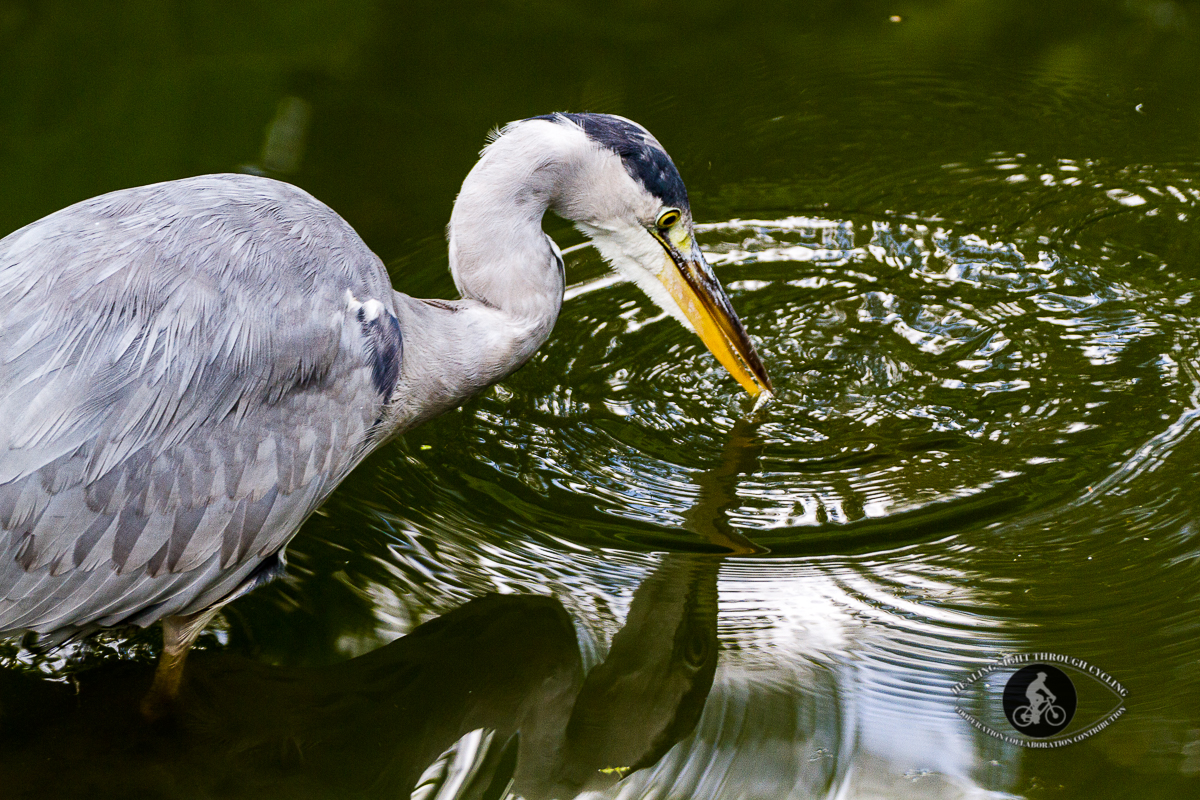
964 237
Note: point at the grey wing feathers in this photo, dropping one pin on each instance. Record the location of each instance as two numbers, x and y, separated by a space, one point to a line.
186 370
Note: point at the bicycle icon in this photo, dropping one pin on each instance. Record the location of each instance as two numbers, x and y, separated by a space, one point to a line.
1052 714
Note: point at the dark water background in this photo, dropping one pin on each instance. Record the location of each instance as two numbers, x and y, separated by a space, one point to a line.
965 236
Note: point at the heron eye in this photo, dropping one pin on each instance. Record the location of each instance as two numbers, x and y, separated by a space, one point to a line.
668 218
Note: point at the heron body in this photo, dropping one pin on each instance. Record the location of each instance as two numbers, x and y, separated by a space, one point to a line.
183 381
188 369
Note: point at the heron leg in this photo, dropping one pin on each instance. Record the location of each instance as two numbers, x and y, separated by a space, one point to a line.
178 635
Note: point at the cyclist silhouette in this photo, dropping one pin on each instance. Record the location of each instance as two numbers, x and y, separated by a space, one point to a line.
1041 699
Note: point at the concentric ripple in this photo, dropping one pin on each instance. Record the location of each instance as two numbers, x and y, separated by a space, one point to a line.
929 379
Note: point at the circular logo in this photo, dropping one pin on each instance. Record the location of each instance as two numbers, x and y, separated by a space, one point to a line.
1039 700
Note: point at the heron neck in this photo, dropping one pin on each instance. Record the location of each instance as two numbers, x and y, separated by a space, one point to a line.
499 254
453 350
510 275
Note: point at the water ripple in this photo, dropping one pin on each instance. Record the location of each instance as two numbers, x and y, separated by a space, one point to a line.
921 371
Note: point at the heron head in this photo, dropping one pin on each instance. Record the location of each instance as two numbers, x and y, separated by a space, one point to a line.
629 199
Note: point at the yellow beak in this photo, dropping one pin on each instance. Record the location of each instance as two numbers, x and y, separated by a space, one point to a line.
694 287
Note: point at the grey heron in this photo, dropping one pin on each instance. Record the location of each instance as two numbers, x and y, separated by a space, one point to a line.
189 368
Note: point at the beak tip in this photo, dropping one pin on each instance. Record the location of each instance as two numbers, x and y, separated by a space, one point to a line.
763 400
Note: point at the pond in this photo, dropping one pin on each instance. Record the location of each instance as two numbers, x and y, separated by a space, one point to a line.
965 238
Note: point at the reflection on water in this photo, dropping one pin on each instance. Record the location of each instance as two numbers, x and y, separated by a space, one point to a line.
966 243
950 460
508 667
507 664
949 463
997 421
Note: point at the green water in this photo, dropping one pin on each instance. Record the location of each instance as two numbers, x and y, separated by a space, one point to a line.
966 242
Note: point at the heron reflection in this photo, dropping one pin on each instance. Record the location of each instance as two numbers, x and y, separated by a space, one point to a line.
509 665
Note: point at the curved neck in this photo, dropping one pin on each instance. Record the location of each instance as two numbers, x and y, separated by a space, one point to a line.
509 272
499 255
